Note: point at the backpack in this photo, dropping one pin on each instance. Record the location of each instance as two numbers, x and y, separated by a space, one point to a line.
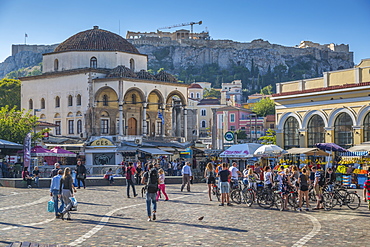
128 173
322 179
152 185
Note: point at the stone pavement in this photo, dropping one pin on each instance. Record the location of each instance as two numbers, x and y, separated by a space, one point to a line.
105 217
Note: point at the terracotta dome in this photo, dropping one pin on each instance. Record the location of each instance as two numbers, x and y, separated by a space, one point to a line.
96 40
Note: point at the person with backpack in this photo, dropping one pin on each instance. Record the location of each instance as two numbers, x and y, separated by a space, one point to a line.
367 190
318 183
210 176
151 179
130 179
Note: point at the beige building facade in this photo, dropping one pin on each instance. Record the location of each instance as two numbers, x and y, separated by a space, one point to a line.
334 108
95 84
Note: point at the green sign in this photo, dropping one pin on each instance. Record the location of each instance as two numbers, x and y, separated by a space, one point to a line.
229 136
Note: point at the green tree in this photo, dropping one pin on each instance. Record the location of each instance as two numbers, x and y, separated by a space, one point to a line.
211 93
264 107
10 93
15 125
269 138
266 90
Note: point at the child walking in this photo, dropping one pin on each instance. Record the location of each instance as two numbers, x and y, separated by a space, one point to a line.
161 185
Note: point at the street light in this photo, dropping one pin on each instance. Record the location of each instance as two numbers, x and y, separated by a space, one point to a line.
34 128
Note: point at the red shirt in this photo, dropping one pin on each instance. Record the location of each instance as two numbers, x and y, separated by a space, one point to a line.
132 172
367 187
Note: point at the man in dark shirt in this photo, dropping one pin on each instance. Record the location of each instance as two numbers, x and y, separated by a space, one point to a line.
150 178
80 174
224 176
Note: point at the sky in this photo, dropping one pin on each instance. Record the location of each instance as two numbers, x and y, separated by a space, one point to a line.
283 22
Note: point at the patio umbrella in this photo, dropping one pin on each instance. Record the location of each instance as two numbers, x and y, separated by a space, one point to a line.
330 147
40 151
60 152
269 151
245 150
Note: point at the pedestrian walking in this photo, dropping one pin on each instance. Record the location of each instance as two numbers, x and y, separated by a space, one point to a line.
66 190
210 175
54 192
367 191
186 176
54 172
139 172
80 174
150 178
161 185
130 172
224 176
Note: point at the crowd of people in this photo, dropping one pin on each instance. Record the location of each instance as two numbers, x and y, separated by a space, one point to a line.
285 178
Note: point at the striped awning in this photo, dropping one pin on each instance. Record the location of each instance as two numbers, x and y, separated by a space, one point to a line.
359 153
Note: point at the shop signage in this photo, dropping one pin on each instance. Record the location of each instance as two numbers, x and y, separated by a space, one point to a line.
102 142
229 136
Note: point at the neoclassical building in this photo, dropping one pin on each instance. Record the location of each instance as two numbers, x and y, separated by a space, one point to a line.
334 108
96 83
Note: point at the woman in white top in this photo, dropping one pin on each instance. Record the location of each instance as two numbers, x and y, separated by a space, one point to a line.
161 185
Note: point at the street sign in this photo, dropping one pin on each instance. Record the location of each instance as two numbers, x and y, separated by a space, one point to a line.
229 136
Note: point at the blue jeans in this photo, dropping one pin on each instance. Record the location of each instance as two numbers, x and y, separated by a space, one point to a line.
37 181
150 198
55 199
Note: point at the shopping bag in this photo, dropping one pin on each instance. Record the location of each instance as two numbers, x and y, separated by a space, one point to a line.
51 206
74 203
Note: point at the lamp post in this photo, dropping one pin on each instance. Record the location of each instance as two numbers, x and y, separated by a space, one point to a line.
34 129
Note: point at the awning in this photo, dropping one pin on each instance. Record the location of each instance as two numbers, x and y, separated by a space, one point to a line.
168 149
11 145
77 145
351 154
154 151
127 149
359 148
307 151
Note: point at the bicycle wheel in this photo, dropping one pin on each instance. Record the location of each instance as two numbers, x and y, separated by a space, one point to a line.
216 191
352 201
327 201
249 197
312 196
293 200
265 200
236 196
278 200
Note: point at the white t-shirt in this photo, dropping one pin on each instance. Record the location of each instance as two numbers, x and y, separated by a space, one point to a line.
234 172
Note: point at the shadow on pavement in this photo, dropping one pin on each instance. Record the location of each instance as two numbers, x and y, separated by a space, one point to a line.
18 225
221 228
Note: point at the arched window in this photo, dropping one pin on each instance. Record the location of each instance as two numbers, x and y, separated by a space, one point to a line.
192 95
78 100
105 100
367 128
104 123
42 103
291 133
42 116
203 124
203 112
133 98
93 63
315 131
132 64
70 100
198 95
79 126
56 65
343 135
57 101
30 104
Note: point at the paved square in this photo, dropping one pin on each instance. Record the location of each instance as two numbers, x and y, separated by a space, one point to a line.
105 217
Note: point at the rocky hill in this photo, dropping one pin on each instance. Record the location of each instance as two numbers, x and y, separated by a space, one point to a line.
257 63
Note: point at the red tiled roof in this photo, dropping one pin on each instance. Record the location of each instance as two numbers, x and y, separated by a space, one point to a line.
321 89
194 85
270 118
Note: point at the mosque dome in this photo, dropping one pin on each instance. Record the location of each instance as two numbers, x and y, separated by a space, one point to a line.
96 40
121 71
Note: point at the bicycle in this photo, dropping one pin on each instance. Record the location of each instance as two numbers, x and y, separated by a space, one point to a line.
342 197
216 191
237 193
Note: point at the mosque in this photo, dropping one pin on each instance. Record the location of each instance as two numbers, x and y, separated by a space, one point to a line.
96 83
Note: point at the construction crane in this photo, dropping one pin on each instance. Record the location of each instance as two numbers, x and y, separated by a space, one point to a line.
184 24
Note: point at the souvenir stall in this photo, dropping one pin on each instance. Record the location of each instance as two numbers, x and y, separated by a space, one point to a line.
243 153
353 168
